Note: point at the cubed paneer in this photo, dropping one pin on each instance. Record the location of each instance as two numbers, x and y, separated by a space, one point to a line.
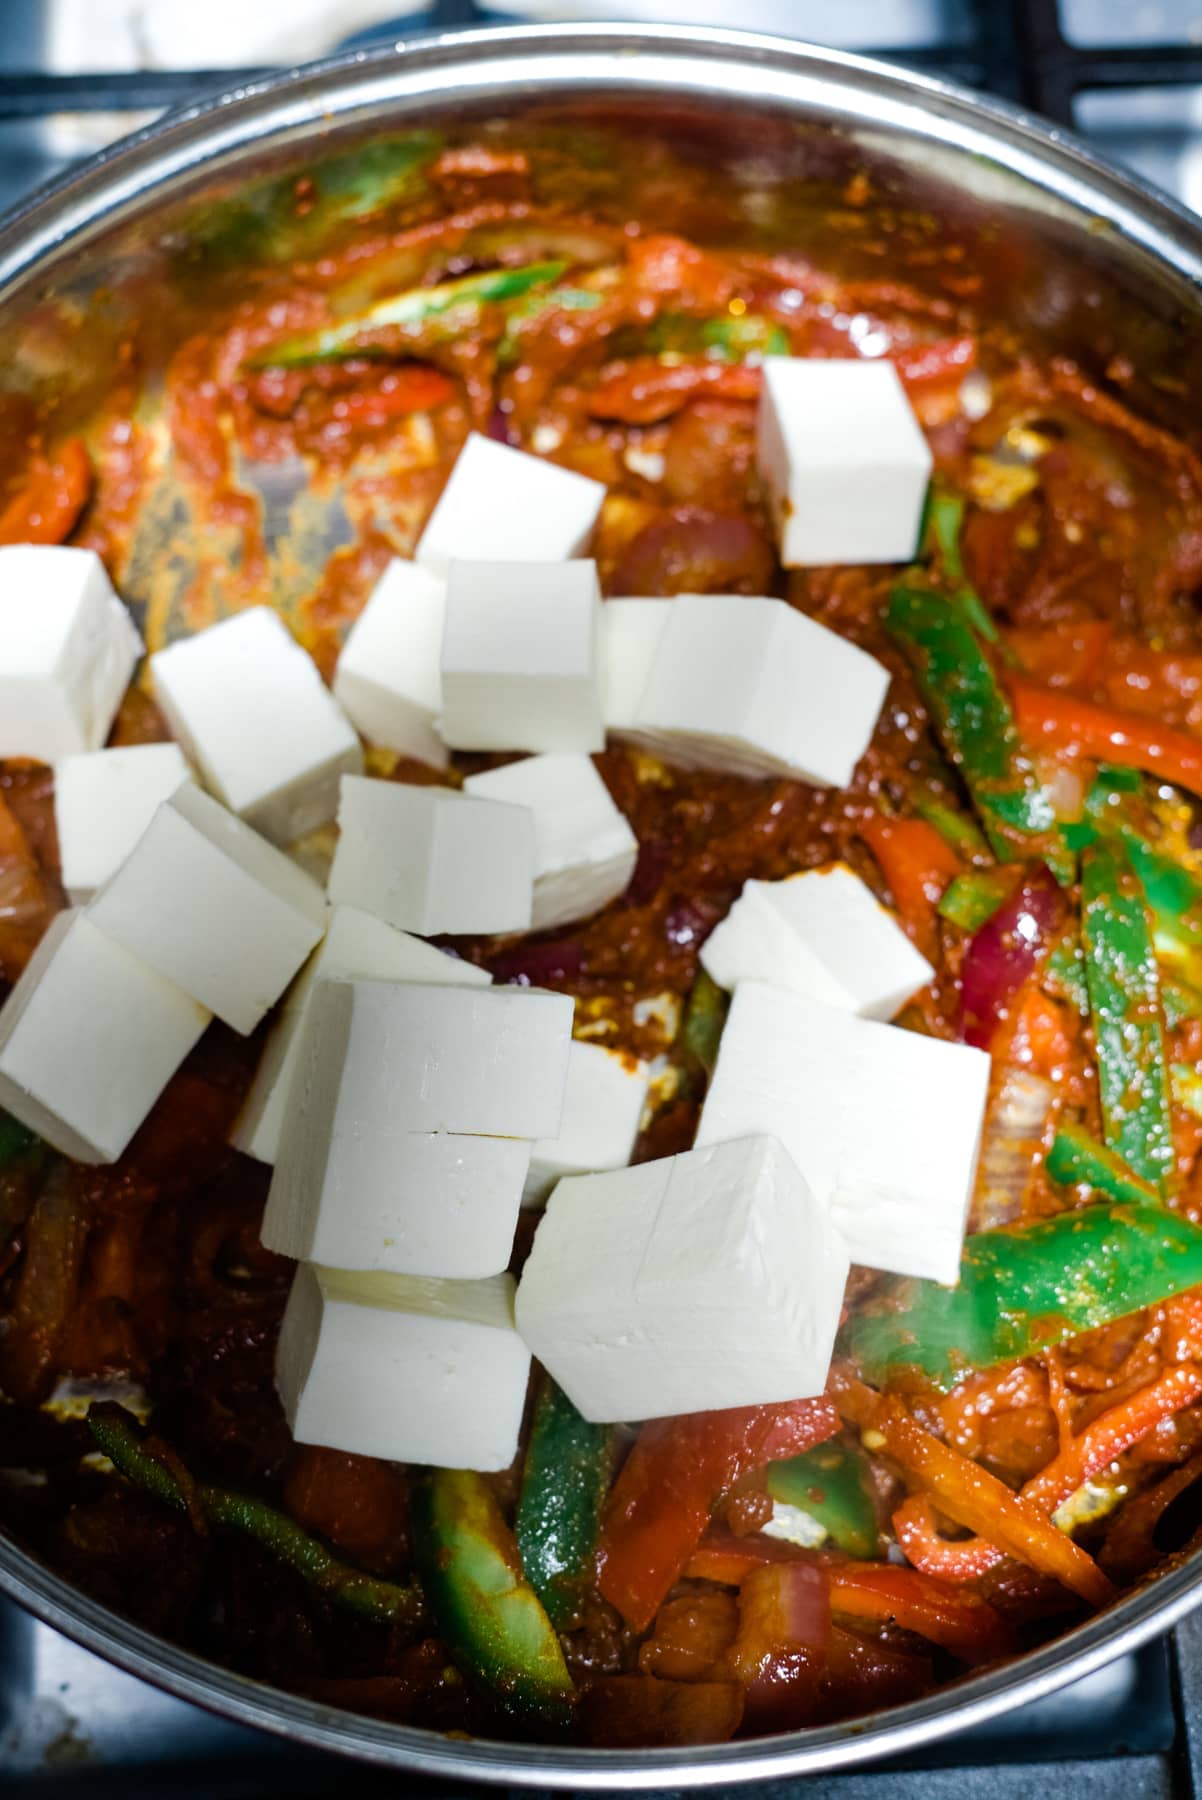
103 802
706 1280
411 1370
67 650
355 946
504 505
602 1107
520 657
387 680
884 1124
252 712
823 933
584 850
843 459
89 1038
430 859
213 907
750 686
630 635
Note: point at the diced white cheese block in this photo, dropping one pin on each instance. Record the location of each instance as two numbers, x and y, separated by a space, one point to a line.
409 1370
584 850
214 907
706 1280
89 1038
884 1124
751 686
67 650
520 657
823 933
602 1106
355 946
103 802
429 859
843 459
382 1058
630 635
252 712
436 1203
387 680
503 505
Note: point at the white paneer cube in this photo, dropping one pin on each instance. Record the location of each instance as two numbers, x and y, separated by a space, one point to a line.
823 933
103 802
602 1108
89 1038
843 459
630 636
387 680
752 687
503 505
379 1059
252 712
213 907
435 1203
520 657
356 946
884 1124
429 859
584 850
702 1281
409 1370
67 650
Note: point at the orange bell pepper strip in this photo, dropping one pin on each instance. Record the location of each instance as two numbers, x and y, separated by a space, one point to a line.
924 1545
47 506
1047 717
1112 1432
661 1502
918 864
969 1494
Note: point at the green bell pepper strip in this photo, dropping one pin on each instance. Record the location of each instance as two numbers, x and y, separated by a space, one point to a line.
568 1468
285 216
832 1484
955 827
123 1443
487 1612
943 523
703 1022
730 340
976 723
1024 1288
1124 1001
974 897
535 307
1064 973
1077 1159
1179 1000
451 309
15 1140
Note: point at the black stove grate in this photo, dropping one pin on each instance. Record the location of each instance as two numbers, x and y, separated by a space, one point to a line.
1134 1732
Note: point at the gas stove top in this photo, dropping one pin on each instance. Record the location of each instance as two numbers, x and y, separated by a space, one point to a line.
1129 77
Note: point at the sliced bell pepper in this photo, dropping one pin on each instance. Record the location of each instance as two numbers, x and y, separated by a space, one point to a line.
491 1618
1049 716
732 339
1076 1159
944 523
49 502
968 1494
15 1140
976 895
704 1019
161 1475
677 1470
918 864
833 1485
1026 1287
453 306
647 391
976 724
1124 1000
564 1483
955 827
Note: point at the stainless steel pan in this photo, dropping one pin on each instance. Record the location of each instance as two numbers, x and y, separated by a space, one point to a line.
1074 253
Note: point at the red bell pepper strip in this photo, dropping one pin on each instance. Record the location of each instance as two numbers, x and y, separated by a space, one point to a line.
939 361
678 1468
647 390
918 863
922 1543
406 390
1007 950
1112 1432
46 508
1046 716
